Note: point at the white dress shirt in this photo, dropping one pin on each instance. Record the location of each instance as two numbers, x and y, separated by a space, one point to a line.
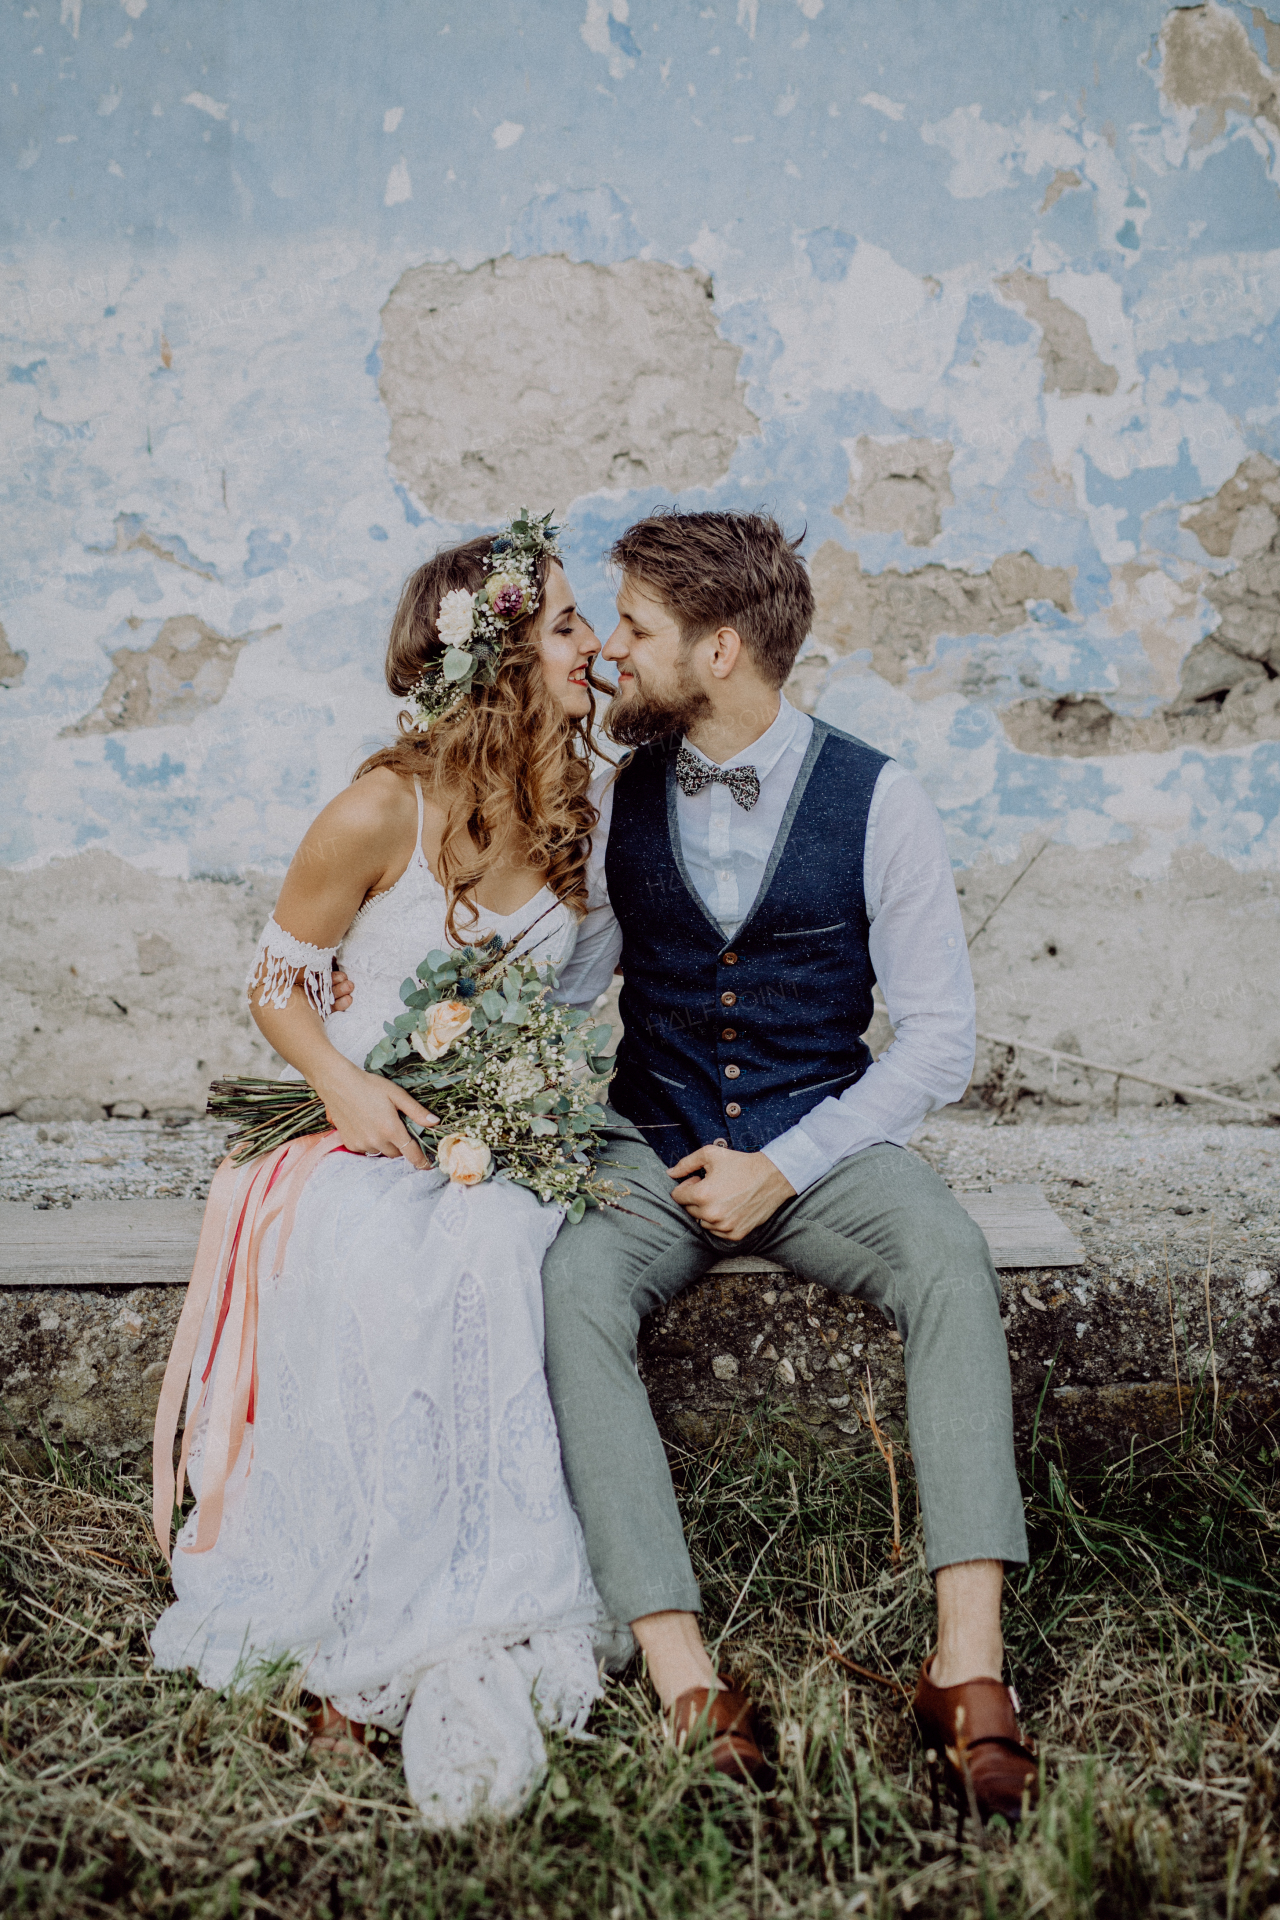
917 942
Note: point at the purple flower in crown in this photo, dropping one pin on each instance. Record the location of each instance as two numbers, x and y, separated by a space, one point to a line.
508 596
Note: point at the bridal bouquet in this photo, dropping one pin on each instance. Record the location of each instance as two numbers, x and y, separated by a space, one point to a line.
509 1076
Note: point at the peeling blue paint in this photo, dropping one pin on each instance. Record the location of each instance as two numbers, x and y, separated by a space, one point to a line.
855 179
137 774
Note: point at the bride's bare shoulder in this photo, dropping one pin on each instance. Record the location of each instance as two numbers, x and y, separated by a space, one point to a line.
378 806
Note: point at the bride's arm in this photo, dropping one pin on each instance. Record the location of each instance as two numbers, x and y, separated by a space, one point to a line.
359 844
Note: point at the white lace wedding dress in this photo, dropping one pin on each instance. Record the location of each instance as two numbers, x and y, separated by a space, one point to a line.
403 1527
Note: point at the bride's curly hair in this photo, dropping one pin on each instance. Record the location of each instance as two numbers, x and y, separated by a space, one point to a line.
509 766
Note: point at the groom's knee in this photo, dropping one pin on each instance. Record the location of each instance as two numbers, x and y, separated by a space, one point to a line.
580 1279
945 1261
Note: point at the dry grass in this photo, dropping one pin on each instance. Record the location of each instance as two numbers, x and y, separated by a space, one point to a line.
1143 1640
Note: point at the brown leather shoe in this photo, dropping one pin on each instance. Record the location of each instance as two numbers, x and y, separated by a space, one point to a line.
971 1732
334 1736
726 1718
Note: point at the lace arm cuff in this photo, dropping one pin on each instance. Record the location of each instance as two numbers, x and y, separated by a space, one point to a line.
277 963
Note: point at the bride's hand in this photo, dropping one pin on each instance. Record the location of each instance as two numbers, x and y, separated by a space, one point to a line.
365 1109
343 989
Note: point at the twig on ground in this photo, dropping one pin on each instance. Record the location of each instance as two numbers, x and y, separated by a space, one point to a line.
886 1454
866 1673
1144 1079
1208 1310
1168 1280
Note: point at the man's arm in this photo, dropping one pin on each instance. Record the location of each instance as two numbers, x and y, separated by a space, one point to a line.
921 961
588 972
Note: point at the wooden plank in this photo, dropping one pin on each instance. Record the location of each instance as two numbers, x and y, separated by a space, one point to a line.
152 1243
1022 1229
99 1243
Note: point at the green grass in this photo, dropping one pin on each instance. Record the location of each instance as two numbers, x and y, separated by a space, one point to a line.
1142 1638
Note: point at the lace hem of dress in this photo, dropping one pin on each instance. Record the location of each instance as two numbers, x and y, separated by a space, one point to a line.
279 959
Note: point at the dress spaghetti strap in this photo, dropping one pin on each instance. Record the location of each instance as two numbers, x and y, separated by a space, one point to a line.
419 858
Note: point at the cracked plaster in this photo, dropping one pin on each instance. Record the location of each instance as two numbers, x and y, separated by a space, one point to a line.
187 667
1071 362
543 379
899 486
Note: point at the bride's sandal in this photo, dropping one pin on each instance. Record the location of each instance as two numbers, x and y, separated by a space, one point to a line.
334 1737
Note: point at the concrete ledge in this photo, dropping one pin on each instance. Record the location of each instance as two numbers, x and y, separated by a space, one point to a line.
83 1345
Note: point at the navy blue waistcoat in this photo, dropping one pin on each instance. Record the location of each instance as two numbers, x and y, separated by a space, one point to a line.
735 1040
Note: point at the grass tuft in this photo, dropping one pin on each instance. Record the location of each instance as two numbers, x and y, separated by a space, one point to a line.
1142 1639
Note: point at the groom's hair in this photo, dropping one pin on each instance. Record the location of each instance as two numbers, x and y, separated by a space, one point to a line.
725 570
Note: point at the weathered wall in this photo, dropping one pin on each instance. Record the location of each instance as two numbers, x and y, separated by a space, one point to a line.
988 297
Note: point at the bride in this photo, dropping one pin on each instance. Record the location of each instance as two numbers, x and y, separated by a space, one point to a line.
397 1520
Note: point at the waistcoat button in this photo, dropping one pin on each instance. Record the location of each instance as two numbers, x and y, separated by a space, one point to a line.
728 999
730 1033
733 1109
731 1073
719 1143
730 959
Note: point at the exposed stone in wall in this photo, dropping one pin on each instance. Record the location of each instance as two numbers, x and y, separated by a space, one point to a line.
901 487
1071 364
125 987
12 665
1210 64
899 616
1242 521
1243 516
1229 686
1062 182
188 666
539 381
1081 725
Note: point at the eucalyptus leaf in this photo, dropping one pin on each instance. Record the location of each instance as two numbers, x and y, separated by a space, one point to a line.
457 664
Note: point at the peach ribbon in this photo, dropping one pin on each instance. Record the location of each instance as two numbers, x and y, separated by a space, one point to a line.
244 1202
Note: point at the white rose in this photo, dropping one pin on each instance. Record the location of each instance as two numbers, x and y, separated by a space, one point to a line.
464 1159
447 1021
453 622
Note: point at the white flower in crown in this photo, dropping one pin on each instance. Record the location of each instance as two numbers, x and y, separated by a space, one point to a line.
453 622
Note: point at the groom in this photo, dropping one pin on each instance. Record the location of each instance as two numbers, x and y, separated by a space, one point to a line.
764 870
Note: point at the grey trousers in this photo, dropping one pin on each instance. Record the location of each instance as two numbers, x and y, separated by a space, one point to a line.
881 1225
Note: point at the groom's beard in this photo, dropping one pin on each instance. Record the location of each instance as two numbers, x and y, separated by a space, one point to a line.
636 718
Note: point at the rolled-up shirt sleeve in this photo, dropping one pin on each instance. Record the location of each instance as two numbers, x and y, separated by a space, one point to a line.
921 961
588 972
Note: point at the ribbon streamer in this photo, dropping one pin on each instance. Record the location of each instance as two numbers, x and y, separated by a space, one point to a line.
244 1203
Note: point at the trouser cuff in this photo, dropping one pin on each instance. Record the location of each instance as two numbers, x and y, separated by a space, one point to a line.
635 1604
950 1553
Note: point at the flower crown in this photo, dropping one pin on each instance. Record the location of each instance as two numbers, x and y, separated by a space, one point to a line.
471 626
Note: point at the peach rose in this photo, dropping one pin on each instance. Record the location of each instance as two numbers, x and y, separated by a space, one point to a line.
447 1021
464 1159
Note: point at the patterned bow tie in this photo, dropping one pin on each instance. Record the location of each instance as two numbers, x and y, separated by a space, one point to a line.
694 774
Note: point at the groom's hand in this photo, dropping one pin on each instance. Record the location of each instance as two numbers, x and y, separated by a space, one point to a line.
736 1191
